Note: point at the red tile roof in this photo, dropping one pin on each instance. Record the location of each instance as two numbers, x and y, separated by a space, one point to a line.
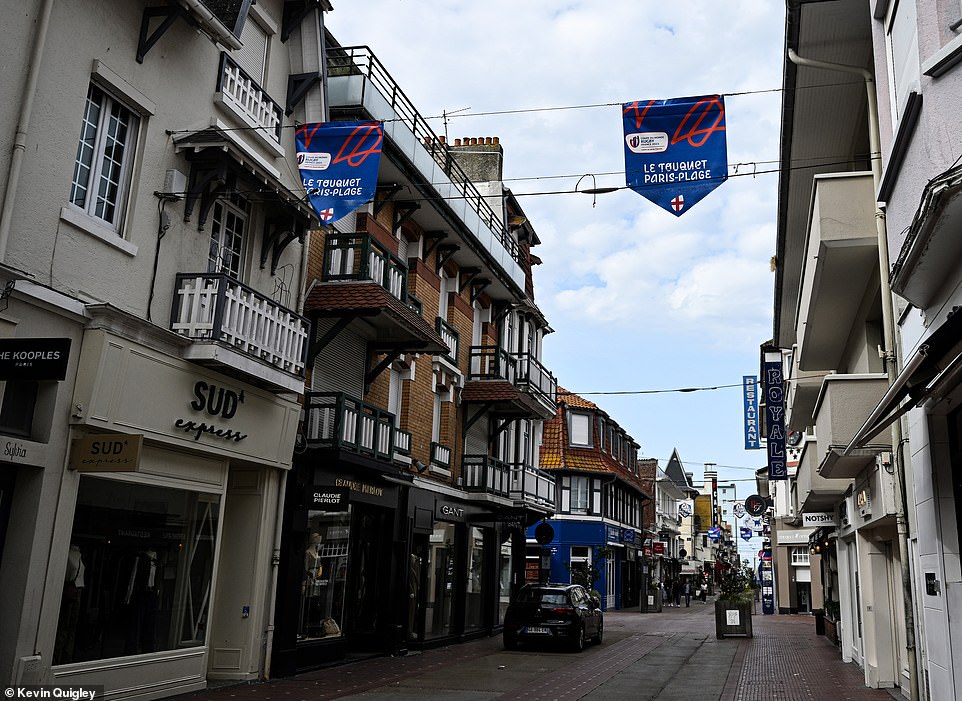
370 299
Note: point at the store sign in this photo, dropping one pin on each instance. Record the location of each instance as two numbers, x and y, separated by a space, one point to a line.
327 499
659 547
775 420
34 358
214 401
106 452
863 500
613 534
750 396
628 535
818 519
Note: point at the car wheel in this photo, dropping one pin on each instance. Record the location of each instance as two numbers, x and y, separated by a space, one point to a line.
510 642
578 644
599 636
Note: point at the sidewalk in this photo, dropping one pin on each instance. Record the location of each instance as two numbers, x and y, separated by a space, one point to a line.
667 655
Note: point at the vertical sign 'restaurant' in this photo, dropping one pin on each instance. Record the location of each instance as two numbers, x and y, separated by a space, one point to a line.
750 394
775 417
338 162
676 150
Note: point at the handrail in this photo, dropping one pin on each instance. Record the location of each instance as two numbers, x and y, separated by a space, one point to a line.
358 256
360 60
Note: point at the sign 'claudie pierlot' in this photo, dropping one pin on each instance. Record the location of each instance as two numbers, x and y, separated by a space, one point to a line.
676 151
338 164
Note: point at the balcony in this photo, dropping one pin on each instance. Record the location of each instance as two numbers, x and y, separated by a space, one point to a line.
802 390
440 456
241 94
363 283
239 330
532 486
335 420
841 264
814 492
451 338
514 384
843 405
357 81
487 475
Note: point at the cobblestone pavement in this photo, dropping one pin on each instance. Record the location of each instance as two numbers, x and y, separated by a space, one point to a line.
668 656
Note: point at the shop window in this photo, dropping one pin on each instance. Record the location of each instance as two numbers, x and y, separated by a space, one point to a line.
139 568
17 409
440 588
474 588
325 575
504 579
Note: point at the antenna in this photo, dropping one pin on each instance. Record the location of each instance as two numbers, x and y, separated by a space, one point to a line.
445 114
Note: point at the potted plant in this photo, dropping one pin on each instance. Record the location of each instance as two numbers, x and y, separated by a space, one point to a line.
733 607
831 619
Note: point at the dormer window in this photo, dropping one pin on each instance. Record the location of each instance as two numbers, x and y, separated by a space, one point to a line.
579 429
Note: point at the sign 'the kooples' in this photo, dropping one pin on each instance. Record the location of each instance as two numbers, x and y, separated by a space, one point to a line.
34 358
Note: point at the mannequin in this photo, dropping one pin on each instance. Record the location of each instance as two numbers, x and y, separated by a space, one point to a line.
313 571
70 606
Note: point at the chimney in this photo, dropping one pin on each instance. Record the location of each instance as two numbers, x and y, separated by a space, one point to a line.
482 158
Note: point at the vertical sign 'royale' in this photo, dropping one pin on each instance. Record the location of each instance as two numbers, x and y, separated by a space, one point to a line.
338 163
750 393
775 417
676 151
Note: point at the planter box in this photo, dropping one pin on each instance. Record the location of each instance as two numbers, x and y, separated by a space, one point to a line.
733 619
831 631
653 602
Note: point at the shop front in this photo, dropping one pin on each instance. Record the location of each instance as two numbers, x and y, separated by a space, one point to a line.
460 567
166 520
341 564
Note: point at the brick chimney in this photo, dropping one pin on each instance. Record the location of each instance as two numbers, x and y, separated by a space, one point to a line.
482 158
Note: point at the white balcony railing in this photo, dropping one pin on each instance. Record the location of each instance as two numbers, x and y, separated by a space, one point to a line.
248 99
216 307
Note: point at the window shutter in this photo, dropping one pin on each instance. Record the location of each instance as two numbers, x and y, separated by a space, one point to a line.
251 56
566 495
596 496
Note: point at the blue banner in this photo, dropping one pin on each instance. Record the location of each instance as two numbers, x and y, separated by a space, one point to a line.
775 420
676 151
338 163
750 395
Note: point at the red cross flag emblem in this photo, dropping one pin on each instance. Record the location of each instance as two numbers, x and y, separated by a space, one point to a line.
326 214
678 203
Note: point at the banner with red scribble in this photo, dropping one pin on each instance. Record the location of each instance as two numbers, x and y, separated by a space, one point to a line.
338 163
675 150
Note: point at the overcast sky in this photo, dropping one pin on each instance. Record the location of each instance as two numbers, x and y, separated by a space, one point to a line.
639 300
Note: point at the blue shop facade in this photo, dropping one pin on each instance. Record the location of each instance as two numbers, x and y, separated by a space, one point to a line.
615 552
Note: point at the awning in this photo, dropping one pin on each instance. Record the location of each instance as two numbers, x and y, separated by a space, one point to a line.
934 370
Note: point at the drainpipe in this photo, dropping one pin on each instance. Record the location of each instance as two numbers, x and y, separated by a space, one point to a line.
275 571
23 121
889 356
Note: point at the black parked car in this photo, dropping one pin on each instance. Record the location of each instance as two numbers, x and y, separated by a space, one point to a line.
552 613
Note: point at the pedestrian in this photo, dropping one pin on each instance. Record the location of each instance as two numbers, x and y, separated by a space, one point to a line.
687 593
676 590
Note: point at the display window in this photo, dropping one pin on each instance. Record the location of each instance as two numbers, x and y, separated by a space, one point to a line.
440 589
504 579
139 570
475 579
325 575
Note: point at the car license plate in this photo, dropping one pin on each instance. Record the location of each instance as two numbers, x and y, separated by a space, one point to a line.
537 629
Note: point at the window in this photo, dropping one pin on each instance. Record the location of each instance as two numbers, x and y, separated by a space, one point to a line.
138 571
579 495
800 556
104 155
902 39
227 235
17 409
323 588
579 429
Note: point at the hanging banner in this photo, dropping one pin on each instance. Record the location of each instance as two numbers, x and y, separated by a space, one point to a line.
775 420
750 396
676 151
338 163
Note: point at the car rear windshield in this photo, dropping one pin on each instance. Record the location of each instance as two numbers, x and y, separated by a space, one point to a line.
542 596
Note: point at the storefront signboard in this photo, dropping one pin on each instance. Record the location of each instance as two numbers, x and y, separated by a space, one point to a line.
34 358
106 452
818 519
322 498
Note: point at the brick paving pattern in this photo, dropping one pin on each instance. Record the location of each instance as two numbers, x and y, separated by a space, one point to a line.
668 656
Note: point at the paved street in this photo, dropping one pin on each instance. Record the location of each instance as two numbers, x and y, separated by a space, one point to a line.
669 656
